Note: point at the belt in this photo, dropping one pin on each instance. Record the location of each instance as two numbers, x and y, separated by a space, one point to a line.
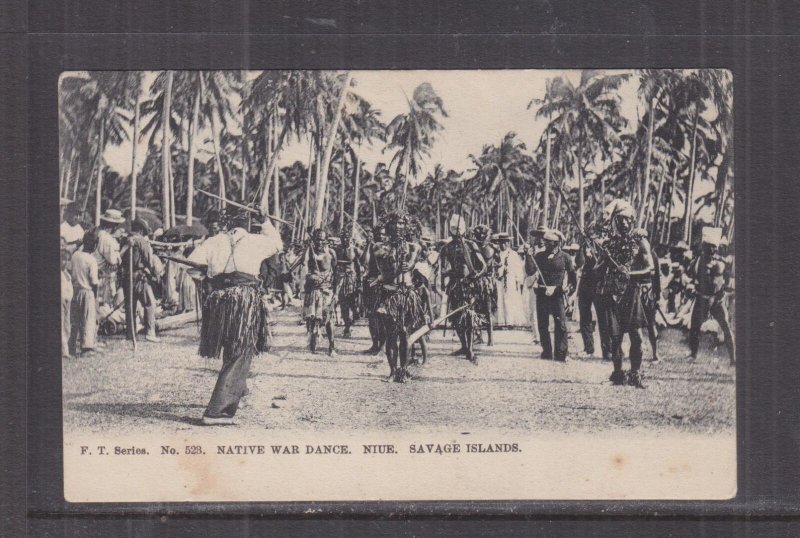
237 278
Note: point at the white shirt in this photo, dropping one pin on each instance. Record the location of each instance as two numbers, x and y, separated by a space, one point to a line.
70 234
107 252
84 270
236 250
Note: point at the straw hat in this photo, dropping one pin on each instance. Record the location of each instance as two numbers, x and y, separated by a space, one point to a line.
114 216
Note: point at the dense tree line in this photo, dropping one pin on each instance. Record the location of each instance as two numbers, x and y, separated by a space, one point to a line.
586 155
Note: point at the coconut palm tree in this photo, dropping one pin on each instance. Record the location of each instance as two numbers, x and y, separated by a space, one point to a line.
99 100
587 117
654 86
501 175
361 123
414 132
333 130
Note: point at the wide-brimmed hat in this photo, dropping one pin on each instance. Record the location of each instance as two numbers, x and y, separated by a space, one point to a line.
539 231
550 235
114 216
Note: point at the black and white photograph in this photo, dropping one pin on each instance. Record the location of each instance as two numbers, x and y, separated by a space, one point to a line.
397 284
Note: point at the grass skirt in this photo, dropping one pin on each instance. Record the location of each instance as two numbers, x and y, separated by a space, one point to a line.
402 309
318 304
462 292
349 284
236 320
486 291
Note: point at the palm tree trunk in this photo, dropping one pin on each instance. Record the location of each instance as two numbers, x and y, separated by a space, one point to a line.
722 175
172 210
76 181
687 224
406 168
243 77
323 184
192 153
643 207
357 192
672 188
579 172
217 159
438 218
273 163
654 228
546 195
276 179
165 150
99 191
134 143
341 194
307 200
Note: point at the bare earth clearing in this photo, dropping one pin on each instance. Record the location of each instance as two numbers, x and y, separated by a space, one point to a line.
165 387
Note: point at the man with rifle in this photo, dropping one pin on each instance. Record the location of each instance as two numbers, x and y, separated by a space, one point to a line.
618 291
146 271
552 264
462 267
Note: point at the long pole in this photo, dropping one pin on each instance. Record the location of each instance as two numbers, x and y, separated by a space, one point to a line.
134 143
99 191
242 206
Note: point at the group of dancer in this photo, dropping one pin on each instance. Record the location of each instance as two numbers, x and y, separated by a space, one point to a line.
405 285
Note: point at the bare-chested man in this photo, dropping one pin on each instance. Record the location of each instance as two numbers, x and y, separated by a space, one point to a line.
319 295
348 269
462 266
400 308
371 294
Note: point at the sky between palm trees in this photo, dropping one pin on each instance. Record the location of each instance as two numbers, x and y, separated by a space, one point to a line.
483 105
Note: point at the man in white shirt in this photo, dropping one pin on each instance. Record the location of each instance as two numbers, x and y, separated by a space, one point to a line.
235 313
71 230
83 310
107 255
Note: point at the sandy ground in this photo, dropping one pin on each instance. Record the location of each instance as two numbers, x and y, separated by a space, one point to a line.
164 387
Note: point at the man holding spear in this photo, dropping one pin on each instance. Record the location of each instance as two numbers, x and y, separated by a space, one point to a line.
462 267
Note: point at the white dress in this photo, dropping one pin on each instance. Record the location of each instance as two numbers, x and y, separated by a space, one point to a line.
511 309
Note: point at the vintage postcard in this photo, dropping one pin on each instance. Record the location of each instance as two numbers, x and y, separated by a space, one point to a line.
397 285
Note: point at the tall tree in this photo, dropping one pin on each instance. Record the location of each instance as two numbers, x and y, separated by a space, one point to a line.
97 104
588 116
414 132
326 157
361 124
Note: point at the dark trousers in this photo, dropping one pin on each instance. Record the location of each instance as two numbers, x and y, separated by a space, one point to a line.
546 307
703 307
586 298
141 294
231 384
